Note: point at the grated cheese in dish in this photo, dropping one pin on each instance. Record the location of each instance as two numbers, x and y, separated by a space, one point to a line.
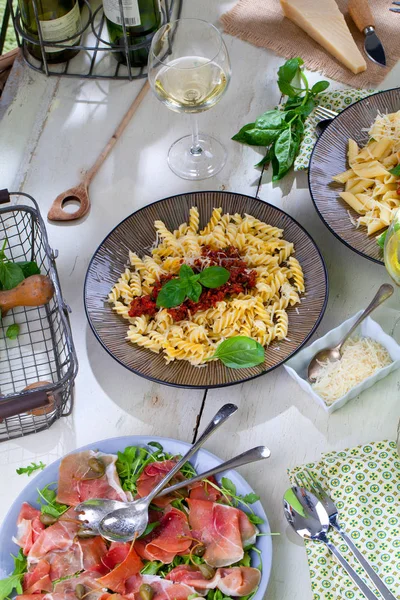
361 358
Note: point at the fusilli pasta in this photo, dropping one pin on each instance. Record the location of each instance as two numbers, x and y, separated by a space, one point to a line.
258 310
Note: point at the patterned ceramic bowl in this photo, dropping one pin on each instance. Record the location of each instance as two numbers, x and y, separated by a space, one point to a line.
329 158
137 233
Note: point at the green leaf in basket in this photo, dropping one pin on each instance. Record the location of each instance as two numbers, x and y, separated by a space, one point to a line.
13 331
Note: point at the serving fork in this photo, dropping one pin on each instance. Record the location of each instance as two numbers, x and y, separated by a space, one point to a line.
326 115
306 479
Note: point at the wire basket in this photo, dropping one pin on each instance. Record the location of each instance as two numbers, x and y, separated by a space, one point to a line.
43 353
95 59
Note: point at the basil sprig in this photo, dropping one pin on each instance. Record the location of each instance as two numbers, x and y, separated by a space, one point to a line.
189 285
282 130
240 352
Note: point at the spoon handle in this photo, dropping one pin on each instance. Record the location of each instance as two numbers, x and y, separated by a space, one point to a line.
376 580
356 578
222 415
384 292
253 455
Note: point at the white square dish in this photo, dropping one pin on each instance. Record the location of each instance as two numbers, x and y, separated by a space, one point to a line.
297 366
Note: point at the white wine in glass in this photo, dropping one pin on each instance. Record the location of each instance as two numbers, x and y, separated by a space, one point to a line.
189 71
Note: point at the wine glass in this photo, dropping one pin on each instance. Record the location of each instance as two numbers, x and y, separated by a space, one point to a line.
189 71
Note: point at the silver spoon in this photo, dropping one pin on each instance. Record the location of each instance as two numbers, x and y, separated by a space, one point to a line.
335 353
308 517
124 524
91 512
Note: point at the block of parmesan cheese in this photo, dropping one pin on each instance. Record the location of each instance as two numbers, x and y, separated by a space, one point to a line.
324 22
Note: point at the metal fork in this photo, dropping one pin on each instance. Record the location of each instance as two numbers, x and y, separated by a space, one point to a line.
395 10
326 116
306 479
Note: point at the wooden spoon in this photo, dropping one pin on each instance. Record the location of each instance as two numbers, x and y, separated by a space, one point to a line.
80 193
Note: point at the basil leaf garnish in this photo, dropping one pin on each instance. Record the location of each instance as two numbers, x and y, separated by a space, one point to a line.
214 277
194 292
172 293
240 352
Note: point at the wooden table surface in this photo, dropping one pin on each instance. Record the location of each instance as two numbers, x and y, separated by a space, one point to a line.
51 130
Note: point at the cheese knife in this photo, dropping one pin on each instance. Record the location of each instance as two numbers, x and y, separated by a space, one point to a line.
362 16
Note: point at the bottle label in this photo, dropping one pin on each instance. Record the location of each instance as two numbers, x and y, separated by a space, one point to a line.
61 28
131 12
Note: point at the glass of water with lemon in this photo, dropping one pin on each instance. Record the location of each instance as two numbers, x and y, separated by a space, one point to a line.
392 249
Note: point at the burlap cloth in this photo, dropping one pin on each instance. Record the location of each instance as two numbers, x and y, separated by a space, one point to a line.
262 23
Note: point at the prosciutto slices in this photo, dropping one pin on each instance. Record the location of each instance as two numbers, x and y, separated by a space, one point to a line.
77 482
171 537
151 475
222 529
29 527
197 525
234 581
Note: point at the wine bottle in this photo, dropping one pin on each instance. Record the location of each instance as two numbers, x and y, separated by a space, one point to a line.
59 19
142 19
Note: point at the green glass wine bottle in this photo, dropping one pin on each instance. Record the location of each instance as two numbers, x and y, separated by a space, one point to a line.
142 19
59 19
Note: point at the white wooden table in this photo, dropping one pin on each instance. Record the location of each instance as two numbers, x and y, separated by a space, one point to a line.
53 129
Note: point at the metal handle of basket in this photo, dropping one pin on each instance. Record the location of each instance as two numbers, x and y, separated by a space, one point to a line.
23 403
4 196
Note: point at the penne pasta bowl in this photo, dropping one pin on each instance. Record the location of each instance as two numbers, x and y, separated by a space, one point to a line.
339 204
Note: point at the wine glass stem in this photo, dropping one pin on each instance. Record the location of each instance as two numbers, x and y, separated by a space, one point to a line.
196 148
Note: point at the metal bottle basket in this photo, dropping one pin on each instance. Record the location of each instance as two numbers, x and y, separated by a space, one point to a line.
44 350
95 60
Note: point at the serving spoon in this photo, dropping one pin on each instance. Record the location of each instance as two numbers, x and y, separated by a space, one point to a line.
308 517
125 524
335 353
92 512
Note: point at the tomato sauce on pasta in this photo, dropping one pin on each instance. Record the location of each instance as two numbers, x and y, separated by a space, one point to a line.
241 278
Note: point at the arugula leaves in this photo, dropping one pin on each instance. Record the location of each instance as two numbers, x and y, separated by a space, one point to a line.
189 285
282 129
229 488
239 352
134 459
30 468
12 273
48 502
14 581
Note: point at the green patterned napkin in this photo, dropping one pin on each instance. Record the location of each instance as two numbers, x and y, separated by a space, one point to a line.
337 101
364 482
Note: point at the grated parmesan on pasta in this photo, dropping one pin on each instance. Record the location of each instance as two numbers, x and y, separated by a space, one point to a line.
371 188
361 358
